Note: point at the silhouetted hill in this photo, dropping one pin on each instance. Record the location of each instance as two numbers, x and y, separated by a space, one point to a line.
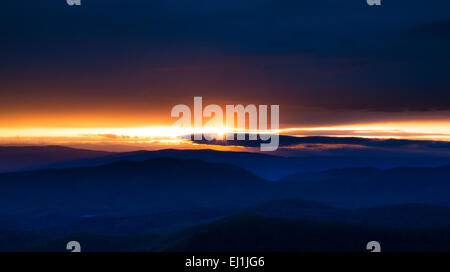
247 232
16 158
268 166
250 232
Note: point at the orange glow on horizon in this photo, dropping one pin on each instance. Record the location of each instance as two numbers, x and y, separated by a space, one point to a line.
404 130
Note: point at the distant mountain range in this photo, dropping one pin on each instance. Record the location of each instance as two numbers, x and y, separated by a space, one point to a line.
168 203
18 158
267 166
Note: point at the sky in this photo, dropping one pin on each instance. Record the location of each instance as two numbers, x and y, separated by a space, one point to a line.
116 68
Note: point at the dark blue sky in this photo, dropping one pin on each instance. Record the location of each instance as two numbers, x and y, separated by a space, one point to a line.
307 56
